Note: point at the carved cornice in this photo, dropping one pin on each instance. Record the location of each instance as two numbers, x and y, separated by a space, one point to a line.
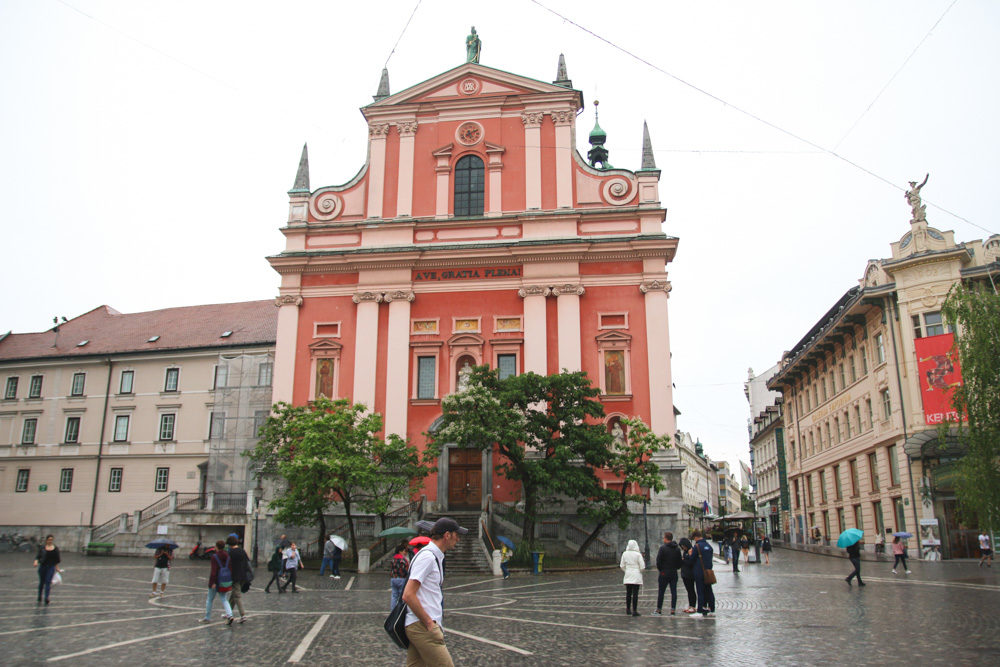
378 129
407 128
399 295
560 290
564 117
375 297
532 118
534 290
655 286
288 300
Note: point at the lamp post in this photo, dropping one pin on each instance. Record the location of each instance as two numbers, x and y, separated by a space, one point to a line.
258 493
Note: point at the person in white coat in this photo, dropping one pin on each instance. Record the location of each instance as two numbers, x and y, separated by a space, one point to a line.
633 565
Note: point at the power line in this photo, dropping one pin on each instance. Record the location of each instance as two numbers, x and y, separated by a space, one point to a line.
398 39
752 115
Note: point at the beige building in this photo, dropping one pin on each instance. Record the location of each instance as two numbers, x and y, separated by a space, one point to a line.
860 448
110 413
696 481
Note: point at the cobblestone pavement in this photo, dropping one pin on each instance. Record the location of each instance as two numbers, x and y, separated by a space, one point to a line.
798 610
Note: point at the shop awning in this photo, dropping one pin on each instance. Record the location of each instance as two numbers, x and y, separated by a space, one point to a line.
930 443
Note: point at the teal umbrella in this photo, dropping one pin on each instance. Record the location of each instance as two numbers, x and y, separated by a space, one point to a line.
398 531
849 537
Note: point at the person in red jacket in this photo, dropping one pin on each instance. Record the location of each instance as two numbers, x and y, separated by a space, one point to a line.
218 560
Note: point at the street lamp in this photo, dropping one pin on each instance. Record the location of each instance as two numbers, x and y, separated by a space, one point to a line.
258 493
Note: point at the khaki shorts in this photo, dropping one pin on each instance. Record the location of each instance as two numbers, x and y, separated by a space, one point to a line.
161 575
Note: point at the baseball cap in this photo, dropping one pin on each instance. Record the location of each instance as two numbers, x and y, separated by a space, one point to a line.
446 525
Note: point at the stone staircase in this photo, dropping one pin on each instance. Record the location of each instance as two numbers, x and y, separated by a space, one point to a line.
467 557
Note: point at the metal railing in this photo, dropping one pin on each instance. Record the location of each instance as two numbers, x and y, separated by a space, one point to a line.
235 503
190 502
509 513
598 549
106 529
149 514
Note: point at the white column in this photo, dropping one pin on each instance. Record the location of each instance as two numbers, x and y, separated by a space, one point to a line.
532 159
568 310
661 393
376 167
535 338
283 376
397 381
366 348
404 191
564 158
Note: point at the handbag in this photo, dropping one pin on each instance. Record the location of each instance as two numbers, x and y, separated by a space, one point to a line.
395 626
56 579
710 577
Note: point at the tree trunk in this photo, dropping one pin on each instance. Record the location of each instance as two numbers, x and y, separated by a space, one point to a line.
321 522
350 527
528 527
582 552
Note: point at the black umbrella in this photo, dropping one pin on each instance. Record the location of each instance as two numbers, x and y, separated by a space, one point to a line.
162 544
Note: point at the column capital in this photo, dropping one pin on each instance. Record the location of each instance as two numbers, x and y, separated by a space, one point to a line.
378 130
655 286
407 128
375 297
399 295
562 116
534 290
532 118
568 288
288 300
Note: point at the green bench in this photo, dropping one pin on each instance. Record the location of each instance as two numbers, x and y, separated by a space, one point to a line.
99 548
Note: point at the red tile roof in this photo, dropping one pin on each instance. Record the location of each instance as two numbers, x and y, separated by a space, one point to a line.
109 332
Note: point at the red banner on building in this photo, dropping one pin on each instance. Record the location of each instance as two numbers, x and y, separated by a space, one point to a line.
939 373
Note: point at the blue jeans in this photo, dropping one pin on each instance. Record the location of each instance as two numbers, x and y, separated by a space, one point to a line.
505 568
212 592
327 562
706 598
335 567
45 573
398 584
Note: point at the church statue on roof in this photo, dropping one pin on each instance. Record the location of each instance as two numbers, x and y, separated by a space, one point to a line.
473 47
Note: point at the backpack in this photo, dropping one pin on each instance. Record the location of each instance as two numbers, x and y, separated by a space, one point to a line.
224 577
400 568
247 574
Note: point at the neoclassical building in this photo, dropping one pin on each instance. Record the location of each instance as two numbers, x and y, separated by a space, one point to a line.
862 406
767 452
476 233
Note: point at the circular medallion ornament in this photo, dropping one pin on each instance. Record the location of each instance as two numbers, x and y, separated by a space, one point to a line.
468 87
469 133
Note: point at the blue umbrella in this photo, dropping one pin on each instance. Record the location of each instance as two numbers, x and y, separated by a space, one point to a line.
902 534
156 544
849 537
505 540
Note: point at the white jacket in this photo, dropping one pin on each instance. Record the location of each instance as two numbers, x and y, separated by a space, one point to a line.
632 563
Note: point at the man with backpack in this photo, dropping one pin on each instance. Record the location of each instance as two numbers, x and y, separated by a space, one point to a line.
399 572
242 575
220 582
668 561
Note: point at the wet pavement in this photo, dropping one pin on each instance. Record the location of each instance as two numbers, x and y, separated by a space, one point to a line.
798 610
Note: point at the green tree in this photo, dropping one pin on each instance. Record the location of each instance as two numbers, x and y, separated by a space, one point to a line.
400 469
325 452
543 427
746 501
631 461
976 313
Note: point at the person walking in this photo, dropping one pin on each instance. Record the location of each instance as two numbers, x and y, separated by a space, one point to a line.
47 561
879 545
668 560
765 547
399 572
505 554
293 561
899 551
240 566
338 553
687 574
327 557
633 565
275 568
985 552
220 563
854 555
745 547
702 579
736 552
424 597
161 569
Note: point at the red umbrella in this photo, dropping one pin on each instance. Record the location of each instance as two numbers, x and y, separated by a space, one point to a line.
419 541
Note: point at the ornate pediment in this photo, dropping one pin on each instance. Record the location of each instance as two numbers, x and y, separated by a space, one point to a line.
465 339
613 337
325 348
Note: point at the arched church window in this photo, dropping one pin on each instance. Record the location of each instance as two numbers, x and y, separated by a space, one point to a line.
470 182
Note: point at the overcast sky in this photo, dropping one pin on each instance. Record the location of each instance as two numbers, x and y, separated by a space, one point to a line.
146 147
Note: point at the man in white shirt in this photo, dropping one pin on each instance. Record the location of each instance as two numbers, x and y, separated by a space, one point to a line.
985 551
425 600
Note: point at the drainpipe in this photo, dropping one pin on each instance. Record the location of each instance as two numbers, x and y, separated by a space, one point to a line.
902 410
100 443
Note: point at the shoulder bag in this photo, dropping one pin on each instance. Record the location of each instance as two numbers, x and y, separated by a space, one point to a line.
709 574
395 622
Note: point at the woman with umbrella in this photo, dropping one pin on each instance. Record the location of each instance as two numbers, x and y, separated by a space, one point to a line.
899 551
161 565
850 540
506 550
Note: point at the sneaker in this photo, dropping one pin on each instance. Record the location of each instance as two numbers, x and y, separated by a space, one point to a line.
243 619
848 580
656 612
909 572
204 620
229 620
861 583
336 576
152 595
894 572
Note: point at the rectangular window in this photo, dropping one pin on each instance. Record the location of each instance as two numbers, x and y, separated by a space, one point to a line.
838 487
115 480
840 520
822 485
858 522
217 426
854 373
826 525
836 430
259 419
10 391
871 412
853 465
797 499
22 480
898 511
171 380
873 471
79 379
65 480
917 331
35 387
426 377
880 347
221 377
28 431
809 490
864 362
857 418
822 386
847 426
72 430
507 365
167 426
933 324
264 373
125 385
843 377
893 465
886 405
162 475
879 520
121 428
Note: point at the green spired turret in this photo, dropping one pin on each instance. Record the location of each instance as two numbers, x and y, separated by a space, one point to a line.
598 155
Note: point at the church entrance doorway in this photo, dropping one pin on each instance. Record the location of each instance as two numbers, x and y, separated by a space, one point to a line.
465 478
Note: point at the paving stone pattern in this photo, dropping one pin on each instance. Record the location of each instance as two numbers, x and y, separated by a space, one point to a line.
798 610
